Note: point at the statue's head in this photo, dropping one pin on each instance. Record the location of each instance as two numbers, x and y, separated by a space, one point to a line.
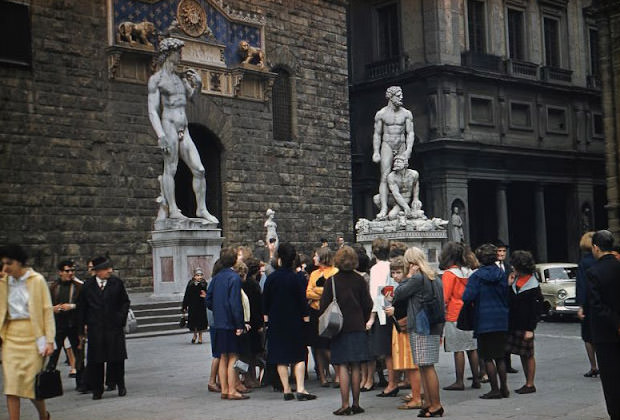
394 94
399 163
167 46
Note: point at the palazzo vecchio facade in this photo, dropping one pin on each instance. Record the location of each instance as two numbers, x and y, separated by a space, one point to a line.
79 160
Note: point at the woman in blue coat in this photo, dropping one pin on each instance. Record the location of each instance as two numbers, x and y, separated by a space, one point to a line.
487 287
224 299
286 315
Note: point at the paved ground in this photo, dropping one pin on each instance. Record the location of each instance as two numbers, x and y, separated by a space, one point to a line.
167 379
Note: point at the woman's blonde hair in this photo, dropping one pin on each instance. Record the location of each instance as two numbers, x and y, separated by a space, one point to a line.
586 242
415 255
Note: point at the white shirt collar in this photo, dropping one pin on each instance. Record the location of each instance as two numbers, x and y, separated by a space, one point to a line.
22 278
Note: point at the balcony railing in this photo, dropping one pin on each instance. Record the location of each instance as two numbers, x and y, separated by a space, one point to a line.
522 69
482 61
555 74
384 68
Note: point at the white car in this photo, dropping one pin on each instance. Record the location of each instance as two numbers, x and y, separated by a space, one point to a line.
557 284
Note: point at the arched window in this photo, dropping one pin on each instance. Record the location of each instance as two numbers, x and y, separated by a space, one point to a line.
282 105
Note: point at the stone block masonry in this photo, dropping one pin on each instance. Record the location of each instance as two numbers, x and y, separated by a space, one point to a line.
79 162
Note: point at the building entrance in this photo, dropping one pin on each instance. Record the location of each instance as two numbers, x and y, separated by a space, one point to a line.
209 148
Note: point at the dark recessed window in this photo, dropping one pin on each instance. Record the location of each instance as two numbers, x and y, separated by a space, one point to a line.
516 44
594 53
556 120
476 25
387 33
281 106
597 125
520 115
15 34
552 42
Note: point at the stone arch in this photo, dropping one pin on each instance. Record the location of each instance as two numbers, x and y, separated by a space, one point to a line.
205 117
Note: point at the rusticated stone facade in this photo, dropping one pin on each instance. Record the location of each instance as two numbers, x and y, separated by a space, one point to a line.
79 162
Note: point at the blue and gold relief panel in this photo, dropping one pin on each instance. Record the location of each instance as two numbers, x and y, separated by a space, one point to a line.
162 13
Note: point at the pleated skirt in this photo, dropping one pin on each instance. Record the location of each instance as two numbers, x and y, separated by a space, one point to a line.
21 360
402 358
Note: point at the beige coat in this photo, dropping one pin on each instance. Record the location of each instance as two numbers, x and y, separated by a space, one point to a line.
39 306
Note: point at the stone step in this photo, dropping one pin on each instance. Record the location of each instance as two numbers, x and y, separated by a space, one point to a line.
140 313
159 326
155 305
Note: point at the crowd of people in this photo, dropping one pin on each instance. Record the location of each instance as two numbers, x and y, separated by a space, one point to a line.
263 316
397 310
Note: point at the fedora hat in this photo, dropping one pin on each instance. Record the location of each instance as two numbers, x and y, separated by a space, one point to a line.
101 263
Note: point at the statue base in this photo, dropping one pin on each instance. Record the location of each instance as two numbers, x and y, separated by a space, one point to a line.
427 234
179 246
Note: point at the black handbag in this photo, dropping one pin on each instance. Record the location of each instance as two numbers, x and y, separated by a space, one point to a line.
465 321
183 321
47 384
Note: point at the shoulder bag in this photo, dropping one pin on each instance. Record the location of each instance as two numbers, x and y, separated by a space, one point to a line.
47 383
330 321
434 307
465 322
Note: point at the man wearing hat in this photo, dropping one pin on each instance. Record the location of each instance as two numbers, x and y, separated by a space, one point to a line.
104 305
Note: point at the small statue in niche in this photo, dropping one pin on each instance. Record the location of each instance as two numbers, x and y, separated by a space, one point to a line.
457 226
251 55
136 32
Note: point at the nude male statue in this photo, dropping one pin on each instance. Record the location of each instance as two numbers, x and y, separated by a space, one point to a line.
393 136
403 185
172 89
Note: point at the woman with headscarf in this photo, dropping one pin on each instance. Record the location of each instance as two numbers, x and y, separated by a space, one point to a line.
194 304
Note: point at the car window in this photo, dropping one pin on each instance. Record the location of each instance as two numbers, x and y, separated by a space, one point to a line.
561 273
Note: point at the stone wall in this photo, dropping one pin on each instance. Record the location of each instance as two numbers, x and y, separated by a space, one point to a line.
79 162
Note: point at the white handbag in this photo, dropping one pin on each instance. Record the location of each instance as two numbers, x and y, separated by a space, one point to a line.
330 321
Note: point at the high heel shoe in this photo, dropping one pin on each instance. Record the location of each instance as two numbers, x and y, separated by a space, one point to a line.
364 389
392 393
592 373
428 413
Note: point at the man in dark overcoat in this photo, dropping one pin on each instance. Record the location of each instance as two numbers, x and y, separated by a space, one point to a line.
104 305
604 300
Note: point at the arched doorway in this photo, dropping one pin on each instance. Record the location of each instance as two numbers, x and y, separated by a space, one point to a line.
209 148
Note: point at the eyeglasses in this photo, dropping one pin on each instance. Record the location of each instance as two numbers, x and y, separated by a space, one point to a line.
70 270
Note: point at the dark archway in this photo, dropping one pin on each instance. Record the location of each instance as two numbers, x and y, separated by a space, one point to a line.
210 149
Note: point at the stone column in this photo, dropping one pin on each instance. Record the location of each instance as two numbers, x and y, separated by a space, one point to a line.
502 213
540 223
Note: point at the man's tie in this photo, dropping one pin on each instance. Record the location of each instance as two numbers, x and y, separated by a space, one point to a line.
102 285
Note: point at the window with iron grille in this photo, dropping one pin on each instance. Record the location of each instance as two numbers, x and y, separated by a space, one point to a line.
476 26
281 105
551 29
15 47
387 32
516 41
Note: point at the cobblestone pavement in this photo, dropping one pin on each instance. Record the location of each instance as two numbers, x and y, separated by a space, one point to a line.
167 377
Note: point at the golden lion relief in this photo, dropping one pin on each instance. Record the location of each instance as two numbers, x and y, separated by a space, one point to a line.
136 32
251 55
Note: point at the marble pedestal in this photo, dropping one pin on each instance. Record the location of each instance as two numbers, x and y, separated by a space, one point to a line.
431 241
179 246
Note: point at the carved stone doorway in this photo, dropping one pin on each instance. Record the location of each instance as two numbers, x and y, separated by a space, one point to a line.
210 148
